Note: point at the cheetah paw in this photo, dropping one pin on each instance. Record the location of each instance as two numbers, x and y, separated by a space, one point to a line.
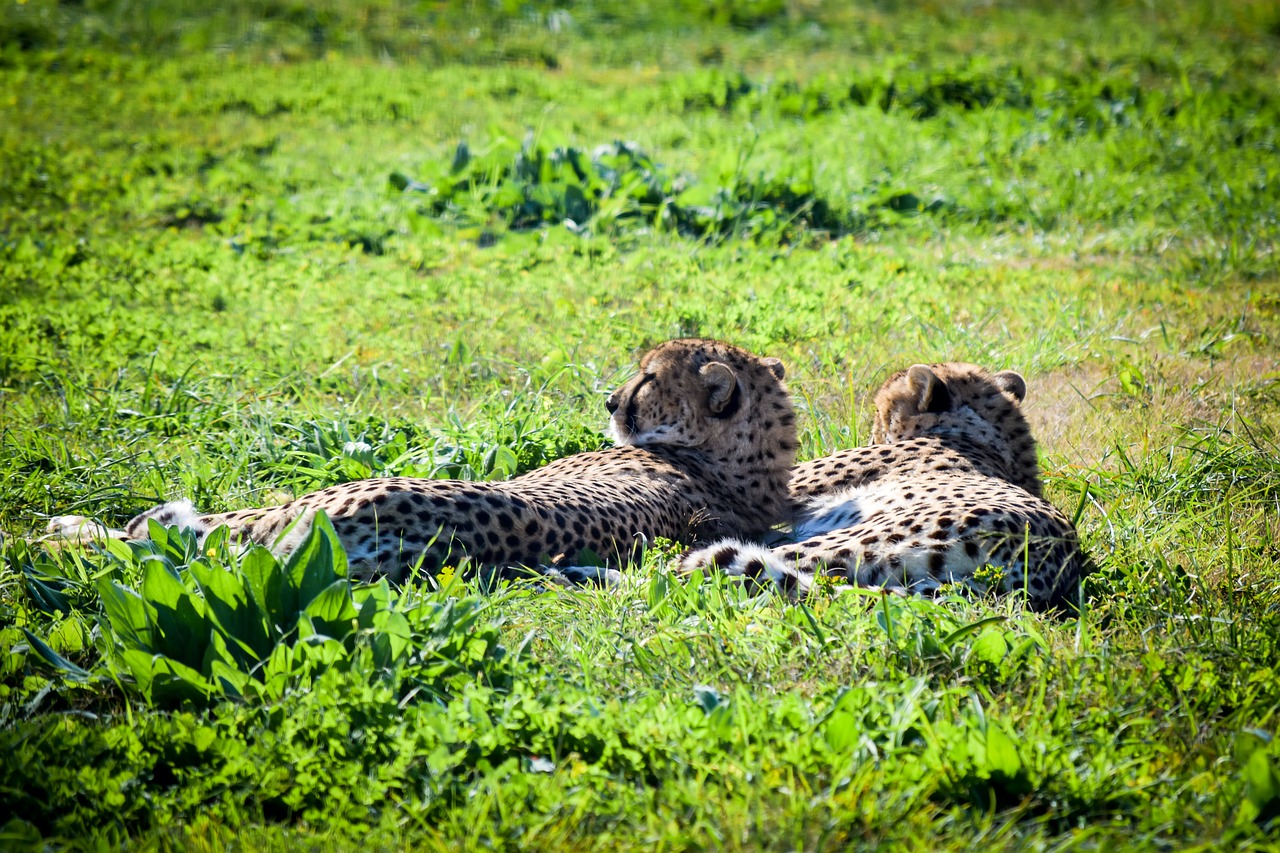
583 576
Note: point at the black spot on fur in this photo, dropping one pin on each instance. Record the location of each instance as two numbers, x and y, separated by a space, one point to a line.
723 557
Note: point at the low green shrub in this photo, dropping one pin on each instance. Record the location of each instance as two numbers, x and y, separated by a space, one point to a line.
618 188
207 623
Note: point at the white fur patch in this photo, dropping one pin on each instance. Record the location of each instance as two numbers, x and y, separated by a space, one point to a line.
582 575
181 514
787 578
657 435
79 528
848 507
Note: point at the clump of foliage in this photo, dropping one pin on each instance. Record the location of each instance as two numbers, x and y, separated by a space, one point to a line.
617 189
207 624
920 93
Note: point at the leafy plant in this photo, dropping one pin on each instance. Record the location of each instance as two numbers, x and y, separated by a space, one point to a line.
618 187
209 624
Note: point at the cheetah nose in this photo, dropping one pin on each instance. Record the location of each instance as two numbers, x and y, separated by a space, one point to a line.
612 403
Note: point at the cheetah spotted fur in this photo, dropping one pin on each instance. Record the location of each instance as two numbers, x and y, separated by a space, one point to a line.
949 485
705 440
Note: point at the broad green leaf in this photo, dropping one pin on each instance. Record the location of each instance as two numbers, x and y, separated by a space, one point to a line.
176 545
181 629
1262 788
332 611
223 668
173 682
1002 753
392 638
339 554
230 680
841 731
990 646
129 615
276 598
971 628
317 562
46 593
232 608
139 663
317 654
307 630
275 673
18 834
576 206
56 660
216 541
161 585
120 550
372 600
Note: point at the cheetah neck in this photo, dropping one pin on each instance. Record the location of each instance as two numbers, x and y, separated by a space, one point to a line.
743 491
992 457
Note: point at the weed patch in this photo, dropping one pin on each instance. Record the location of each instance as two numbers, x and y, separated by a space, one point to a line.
617 190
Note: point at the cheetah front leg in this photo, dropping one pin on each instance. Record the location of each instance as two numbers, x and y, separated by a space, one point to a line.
82 530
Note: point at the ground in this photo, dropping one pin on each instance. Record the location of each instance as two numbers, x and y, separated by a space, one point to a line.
257 251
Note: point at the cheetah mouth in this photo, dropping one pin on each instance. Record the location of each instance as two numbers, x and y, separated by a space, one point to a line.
618 433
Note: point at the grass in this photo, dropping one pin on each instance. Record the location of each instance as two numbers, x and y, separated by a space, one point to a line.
250 252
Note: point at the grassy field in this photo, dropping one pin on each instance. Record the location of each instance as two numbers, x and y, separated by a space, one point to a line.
253 251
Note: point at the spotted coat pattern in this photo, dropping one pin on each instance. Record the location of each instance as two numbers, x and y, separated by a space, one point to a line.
949 485
705 440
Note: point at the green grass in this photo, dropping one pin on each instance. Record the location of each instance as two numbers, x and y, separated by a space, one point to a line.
241 258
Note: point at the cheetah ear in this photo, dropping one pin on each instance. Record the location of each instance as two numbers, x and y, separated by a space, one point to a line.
775 367
931 392
723 396
1011 382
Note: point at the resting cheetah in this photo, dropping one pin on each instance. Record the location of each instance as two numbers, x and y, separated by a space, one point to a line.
705 440
949 485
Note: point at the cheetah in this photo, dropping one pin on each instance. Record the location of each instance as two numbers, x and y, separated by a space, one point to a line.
949 485
704 444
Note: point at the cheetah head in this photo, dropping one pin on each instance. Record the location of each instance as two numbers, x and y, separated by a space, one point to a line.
706 394
961 400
